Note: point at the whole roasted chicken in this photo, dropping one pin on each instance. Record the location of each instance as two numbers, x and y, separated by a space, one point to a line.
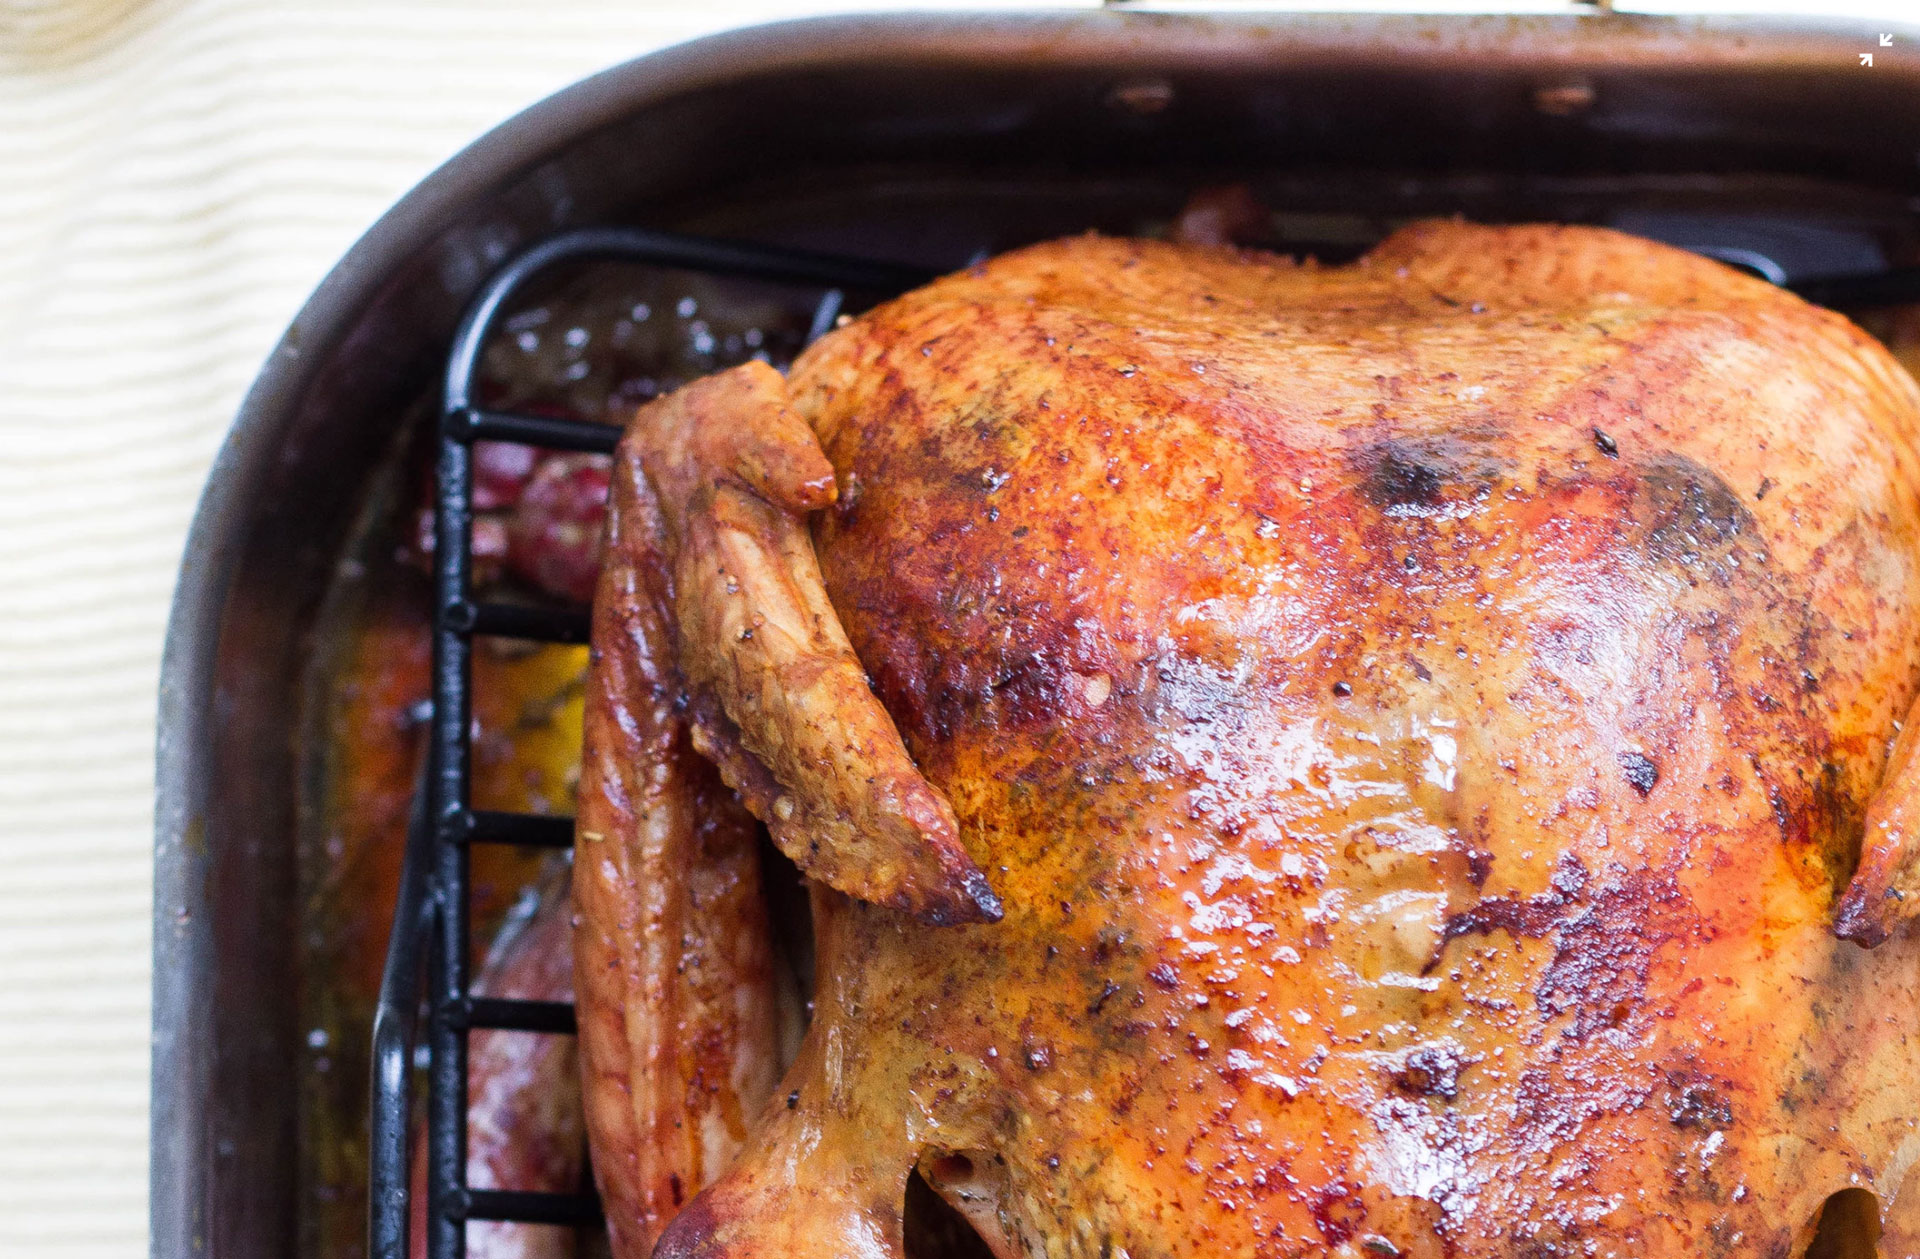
1388 760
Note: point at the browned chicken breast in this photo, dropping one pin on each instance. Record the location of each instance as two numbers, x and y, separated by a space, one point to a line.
1388 760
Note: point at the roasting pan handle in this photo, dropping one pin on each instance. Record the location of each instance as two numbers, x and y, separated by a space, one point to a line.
396 1024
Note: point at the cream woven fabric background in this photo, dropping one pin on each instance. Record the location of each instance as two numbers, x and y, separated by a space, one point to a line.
175 176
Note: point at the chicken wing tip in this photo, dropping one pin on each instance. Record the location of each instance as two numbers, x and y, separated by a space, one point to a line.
970 900
1866 920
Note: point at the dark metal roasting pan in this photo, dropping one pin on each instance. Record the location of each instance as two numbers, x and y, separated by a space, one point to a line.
919 141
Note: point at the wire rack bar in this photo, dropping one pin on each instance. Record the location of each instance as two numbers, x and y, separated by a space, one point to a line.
514 620
395 1026
531 830
514 1015
530 1208
533 430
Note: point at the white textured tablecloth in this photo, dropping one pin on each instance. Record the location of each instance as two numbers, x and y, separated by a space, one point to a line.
175 176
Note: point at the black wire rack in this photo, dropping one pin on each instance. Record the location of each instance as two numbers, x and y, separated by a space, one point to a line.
431 919
428 951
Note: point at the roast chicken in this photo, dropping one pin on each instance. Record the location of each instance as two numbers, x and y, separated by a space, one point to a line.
1398 759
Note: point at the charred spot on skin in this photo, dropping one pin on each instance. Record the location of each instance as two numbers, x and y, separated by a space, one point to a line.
1862 923
1694 1101
1640 771
1433 1071
1400 481
1424 477
1834 818
974 903
984 898
1531 918
1107 990
1605 938
1693 519
1604 952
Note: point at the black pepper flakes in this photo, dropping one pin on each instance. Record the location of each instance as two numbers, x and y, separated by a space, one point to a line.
1608 447
1106 993
1697 1104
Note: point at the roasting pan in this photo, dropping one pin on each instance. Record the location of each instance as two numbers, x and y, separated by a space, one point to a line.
920 140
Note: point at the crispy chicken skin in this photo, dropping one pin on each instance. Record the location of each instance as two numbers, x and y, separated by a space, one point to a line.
681 1011
1419 719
